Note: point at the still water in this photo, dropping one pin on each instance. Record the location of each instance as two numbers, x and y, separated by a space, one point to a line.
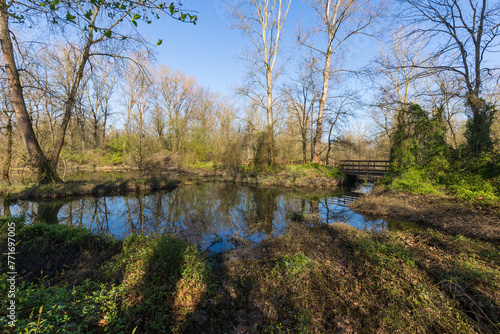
216 216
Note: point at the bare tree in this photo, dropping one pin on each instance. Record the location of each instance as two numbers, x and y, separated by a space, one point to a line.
443 92
95 23
98 92
177 95
397 82
137 100
466 33
302 98
262 22
339 21
341 107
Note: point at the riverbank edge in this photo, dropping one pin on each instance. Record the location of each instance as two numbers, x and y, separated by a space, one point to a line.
281 179
448 214
149 181
84 188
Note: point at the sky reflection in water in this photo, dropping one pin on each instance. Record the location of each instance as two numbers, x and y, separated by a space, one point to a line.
216 216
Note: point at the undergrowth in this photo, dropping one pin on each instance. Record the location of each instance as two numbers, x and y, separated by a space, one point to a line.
474 180
422 162
313 279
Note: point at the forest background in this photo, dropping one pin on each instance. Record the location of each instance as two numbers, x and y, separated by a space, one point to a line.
312 86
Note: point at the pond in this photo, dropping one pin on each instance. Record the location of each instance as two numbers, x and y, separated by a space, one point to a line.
216 216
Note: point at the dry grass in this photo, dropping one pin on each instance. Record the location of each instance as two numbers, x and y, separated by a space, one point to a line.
329 279
443 213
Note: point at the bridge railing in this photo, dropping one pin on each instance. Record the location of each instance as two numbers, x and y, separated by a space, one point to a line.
370 168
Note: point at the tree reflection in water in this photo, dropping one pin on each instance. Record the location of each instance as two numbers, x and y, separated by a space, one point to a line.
216 216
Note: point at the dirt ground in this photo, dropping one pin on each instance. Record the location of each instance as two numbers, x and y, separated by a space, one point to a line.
447 214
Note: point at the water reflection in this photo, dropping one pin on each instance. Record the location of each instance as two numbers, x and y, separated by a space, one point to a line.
217 216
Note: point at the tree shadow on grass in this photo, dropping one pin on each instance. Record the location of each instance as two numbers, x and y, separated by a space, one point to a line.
464 269
60 254
163 281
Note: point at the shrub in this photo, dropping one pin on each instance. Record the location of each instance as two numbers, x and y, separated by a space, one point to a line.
415 181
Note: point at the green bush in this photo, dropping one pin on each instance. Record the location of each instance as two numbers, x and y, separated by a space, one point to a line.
46 236
473 187
115 150
421 162
415 181
79 157
6 222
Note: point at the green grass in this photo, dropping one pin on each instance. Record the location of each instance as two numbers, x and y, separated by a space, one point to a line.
471 188
159 276
416 182
312 279
320 170
475 180
204 165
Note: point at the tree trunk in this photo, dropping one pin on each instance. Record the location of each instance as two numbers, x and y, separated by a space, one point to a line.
269 136
70 102
96 134
478 128
8 158
103 141
327 162
329 143
321 112
45 170
269 107
304 146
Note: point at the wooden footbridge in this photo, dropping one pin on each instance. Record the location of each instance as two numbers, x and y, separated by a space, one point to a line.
365 169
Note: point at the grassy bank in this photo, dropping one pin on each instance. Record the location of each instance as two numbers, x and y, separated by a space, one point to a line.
307 175
104 185
458 173
313 279
119 182
444 212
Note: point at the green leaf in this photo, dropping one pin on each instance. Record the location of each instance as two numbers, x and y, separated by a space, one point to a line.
172 9
70 18
53 4
19 18
88 14
108 34
159 42
135 23
136 17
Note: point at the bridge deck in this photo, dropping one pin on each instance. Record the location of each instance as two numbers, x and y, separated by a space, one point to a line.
369 169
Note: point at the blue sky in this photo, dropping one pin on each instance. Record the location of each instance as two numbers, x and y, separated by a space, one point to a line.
209 49
206 50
